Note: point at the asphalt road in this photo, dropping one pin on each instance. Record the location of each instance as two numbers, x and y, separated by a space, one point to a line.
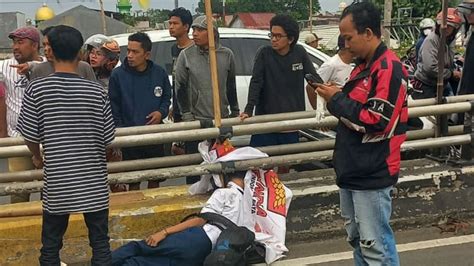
420 247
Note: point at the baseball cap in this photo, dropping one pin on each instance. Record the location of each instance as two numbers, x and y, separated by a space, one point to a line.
26 33
201 22
111 49
311 37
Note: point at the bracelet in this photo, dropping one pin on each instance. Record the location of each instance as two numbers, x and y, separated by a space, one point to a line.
166 232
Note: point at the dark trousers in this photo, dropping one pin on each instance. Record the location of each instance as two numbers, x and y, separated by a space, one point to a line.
192 147
189 247
54 227
270 139
144 152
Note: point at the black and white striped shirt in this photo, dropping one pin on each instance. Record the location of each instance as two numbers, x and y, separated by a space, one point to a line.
72 119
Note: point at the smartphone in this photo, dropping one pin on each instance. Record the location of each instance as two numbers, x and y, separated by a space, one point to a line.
313 79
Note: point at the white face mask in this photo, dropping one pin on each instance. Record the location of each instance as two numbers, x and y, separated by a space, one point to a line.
427 31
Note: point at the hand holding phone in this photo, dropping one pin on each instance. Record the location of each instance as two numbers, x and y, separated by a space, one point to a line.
313 80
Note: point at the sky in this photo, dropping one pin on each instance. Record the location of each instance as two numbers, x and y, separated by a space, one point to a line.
29 7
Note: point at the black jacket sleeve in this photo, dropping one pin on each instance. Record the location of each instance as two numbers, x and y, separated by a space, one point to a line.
256 82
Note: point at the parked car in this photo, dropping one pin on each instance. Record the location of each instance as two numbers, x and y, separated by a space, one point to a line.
243 42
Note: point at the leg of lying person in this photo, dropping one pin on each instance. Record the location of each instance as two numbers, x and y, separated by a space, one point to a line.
372 209
188 247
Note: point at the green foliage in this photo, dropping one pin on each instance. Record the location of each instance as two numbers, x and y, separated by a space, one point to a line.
154 16
298 9
129 19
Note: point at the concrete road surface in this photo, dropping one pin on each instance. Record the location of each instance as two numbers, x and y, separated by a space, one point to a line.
420 247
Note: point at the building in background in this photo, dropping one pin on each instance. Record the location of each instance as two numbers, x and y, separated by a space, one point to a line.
259 21
87 21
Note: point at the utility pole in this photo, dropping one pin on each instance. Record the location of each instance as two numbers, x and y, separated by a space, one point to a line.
176 4
102 13
311 16
223 13
387 18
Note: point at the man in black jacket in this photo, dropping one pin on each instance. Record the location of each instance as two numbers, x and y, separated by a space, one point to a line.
372 112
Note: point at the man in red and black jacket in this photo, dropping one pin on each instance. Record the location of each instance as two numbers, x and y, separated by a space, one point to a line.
372 112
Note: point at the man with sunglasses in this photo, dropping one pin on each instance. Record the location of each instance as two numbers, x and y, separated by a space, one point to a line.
277 84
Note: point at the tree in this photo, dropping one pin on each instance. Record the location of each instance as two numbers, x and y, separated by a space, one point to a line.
298 9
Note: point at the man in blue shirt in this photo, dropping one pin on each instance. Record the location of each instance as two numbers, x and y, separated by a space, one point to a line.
140 94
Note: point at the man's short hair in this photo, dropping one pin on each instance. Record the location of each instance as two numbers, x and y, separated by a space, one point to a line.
46 30
365 15
143 39
184 15
289 25
66 42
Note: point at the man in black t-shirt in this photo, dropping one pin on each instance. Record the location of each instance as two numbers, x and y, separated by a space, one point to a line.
277 84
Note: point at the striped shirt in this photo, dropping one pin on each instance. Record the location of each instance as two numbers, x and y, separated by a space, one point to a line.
15 88
72 119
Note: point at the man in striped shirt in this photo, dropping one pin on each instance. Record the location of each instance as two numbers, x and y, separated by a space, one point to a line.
71 117
25 48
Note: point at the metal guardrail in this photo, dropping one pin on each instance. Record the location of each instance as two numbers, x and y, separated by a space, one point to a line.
216 168
241 130
184 165
139 130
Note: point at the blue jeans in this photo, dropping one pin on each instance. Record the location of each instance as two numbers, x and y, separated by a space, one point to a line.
367 216
189 247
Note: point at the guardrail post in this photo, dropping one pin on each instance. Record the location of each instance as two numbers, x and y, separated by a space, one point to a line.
441 154
467 149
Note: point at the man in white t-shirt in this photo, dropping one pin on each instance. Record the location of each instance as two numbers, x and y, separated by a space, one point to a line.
336 70
25 48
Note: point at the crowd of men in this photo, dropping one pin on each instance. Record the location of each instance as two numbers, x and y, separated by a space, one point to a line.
76 95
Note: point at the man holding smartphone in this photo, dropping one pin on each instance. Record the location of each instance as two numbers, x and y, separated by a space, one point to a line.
372 112
277 84
140 94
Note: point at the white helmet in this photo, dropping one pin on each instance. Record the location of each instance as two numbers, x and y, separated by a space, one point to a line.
95 41
466 7
427 23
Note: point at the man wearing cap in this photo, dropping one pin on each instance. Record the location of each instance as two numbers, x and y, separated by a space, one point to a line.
467 81
312 40
25 48
34 70
193 80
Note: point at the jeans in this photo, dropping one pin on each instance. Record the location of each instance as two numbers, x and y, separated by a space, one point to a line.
189 247
367 216
54 227
192 147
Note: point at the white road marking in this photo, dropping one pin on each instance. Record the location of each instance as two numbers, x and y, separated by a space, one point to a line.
441 242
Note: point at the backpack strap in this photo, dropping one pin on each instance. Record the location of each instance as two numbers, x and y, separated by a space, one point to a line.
217 220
